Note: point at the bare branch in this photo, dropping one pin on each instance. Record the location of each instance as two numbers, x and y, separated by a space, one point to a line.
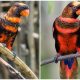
60 58
24 69
11 68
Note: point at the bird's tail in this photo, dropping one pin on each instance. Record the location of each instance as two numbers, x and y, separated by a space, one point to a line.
69 69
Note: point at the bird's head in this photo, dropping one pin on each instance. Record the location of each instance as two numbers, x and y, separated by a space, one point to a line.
21 9
18 10
72 10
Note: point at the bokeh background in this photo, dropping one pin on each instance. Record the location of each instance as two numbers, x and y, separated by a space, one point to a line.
49 11
26 44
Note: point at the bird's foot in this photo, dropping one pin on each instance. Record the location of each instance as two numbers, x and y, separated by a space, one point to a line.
56 58
14 54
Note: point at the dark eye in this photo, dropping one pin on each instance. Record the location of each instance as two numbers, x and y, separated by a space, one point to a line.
74 8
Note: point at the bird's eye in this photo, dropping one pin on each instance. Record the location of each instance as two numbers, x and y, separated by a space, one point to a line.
74 8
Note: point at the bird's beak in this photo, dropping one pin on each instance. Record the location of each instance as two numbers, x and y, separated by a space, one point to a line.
25 12
77 4
78 12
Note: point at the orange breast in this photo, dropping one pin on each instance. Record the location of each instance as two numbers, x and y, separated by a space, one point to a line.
67 43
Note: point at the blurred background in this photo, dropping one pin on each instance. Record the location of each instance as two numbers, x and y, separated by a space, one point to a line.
26 45
49 11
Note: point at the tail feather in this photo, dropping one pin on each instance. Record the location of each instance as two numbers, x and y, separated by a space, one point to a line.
69 71
69 62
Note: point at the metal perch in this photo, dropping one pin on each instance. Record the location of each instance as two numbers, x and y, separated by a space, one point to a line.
60 58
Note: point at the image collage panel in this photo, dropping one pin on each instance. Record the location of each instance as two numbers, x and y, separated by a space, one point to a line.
39 39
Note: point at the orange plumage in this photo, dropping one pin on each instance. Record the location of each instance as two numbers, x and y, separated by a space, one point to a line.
10 22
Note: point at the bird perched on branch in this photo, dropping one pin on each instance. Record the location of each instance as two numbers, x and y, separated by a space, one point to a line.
10 22
66 32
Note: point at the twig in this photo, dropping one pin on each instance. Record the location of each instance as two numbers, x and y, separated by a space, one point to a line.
60 58
11 68
24 69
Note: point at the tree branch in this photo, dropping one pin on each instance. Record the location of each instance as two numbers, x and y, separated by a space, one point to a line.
60 58
11 68
24 69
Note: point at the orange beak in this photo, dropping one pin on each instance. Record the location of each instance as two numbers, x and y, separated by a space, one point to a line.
78 12
25 12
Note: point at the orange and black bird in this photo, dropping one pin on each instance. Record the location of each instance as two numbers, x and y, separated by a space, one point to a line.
66 32
10 22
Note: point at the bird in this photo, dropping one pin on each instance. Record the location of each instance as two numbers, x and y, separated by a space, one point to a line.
66 33
10 23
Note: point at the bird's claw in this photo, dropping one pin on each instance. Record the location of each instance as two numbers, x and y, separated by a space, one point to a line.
56 58
14 54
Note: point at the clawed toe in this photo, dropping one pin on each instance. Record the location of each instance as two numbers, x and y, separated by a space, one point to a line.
56 58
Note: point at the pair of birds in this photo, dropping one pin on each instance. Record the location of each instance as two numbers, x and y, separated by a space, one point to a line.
66 32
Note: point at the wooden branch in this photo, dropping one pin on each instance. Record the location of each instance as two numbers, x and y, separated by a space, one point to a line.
11 68
24 69
60 58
